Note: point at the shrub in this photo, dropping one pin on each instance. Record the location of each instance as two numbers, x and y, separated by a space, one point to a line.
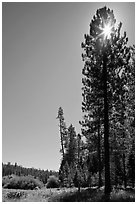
22 182
15 195
7 179
53 182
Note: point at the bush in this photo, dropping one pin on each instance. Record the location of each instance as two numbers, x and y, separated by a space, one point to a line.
15 195
53 182
7 179
22 182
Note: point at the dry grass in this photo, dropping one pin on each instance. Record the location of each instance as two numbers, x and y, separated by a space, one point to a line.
66 195
27 196
41 195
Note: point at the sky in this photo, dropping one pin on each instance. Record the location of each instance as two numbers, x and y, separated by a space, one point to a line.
41 71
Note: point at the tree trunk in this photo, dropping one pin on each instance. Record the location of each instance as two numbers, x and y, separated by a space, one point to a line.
124 171
61 137
79 138
99 156
123 155
115 159
106 131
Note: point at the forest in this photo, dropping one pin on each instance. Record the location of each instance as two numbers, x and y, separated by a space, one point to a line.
42 175
102 156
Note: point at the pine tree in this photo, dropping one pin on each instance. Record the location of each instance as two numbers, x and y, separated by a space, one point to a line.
71 153
106 59
63 130
71 148
68 137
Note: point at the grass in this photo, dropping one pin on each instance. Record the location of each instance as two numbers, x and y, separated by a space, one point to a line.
41 195
66 195
122 195
94 195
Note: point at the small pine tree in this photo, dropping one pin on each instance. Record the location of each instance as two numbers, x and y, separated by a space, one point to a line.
63 130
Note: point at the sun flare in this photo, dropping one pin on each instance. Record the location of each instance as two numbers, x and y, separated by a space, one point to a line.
107 31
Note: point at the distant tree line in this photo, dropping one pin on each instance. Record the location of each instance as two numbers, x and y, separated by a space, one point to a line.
42 175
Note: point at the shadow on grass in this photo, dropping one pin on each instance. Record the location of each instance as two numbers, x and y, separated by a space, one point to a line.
84 195
94 195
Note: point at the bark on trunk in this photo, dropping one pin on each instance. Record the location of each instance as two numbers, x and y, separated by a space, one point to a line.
124 171
79 137
61 137
106 131
99 155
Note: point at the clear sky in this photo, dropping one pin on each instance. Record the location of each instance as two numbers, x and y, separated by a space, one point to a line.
41 71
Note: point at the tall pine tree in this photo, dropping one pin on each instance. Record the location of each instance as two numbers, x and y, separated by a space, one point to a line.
106 59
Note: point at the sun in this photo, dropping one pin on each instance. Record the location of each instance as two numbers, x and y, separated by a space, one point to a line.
107 30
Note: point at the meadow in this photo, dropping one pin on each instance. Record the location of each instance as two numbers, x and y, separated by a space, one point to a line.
93 194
